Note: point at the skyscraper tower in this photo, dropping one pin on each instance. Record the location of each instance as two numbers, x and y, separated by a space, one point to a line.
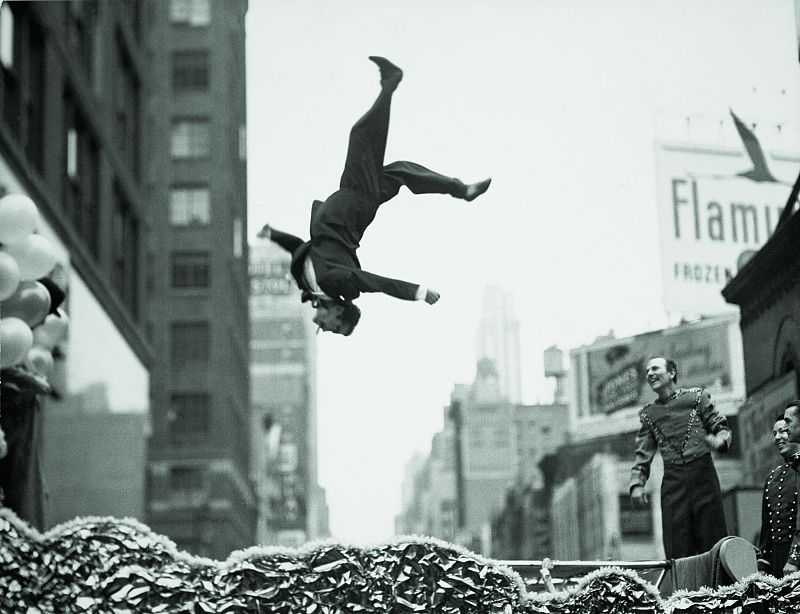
498 341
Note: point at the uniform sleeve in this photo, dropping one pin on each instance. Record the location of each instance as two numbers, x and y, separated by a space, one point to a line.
713 421
764 553
646 447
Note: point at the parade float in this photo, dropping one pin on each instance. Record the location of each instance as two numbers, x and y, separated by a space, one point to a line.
119 566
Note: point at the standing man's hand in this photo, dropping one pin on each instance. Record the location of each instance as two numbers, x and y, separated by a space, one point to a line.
431 296
265 232
789 568
3 444
639 496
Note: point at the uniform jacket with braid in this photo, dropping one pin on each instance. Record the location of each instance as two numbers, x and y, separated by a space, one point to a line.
677 427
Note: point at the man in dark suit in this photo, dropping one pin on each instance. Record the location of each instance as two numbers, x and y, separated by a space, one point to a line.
326 268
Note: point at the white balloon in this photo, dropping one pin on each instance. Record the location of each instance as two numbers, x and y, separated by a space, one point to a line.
36 256
52 331
39 360
18 218
16 339
9 275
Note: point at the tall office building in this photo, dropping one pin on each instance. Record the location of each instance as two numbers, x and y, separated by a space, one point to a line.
199 490
291 505
73 82
498 340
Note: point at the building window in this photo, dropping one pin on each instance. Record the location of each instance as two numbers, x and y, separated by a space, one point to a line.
81 166
127 94
6 36
190 12
277 355
186 479
190 270
189 342
238 233
190 138
277 330
72 153
125 251
189 205
190 70
242 143
189 416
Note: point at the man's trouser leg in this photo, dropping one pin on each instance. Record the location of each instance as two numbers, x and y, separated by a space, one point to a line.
366 148
675 513
419 180
708 516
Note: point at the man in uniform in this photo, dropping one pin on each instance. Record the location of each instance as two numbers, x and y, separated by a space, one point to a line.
684 424
791 416
779 505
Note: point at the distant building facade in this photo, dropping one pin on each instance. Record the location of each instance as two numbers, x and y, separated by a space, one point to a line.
291 504
498 341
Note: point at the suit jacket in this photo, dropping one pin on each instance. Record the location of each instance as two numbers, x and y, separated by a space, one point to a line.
337 226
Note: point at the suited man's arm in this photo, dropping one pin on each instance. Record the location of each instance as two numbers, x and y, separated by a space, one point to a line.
287 241
349 283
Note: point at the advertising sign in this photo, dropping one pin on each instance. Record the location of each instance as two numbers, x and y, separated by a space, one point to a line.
616 372
714 210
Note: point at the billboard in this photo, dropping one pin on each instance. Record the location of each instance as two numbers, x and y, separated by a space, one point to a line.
615 371
714 210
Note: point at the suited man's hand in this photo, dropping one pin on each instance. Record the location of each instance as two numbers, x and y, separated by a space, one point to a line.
431 296
3 444
266 232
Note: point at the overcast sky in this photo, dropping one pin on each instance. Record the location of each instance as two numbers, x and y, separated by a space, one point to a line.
560 102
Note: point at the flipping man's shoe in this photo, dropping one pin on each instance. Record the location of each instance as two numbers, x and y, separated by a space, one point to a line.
391 75
473 190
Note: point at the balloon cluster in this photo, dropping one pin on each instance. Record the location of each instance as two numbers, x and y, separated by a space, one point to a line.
31 322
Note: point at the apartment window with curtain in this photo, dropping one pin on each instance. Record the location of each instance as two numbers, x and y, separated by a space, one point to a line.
190 205
191 138
190 12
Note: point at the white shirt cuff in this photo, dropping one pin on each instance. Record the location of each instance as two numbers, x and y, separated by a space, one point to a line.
421 292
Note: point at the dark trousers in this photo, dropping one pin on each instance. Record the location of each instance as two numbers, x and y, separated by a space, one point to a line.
365 172
692 518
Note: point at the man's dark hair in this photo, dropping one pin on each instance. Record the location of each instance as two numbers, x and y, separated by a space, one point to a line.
795 403
350 316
